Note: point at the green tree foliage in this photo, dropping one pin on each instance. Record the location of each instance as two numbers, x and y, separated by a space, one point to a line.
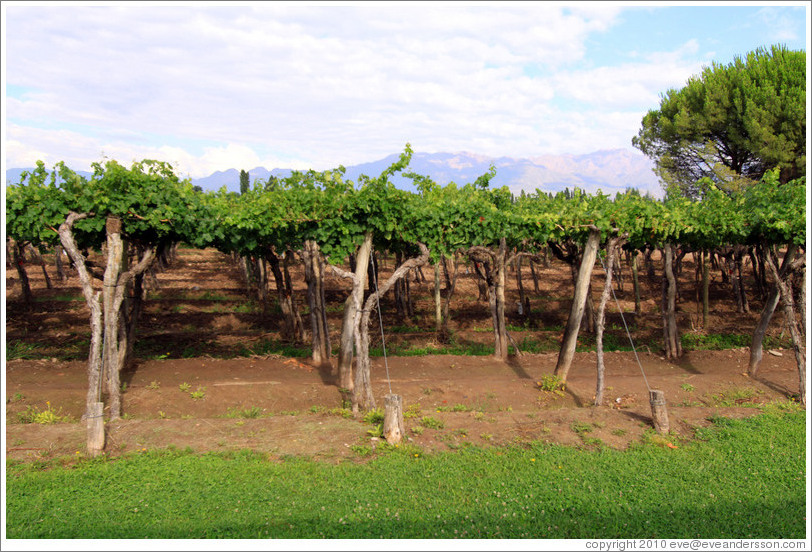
245 182
731 123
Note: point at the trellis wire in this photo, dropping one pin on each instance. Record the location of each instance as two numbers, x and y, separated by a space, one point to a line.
380 319
628 333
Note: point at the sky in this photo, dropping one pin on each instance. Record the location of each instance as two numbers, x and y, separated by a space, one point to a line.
211 86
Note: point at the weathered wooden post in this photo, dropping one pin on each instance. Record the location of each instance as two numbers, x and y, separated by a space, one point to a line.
393 428
95 429
659 413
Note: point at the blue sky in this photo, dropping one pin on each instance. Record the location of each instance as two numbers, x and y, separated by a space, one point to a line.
297 85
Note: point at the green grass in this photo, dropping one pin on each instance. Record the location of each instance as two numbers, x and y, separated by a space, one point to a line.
66 297
21 350
454 348
738 479
719 342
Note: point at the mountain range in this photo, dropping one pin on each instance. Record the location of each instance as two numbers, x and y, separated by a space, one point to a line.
607 170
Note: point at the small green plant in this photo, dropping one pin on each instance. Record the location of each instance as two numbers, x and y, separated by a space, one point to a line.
413 411
374 416
343 412
734 397
34 415
687 387
162 415
418 430
551 383
198 394
376 431
460 408
462 432
486 436
581 428
16 398
235 412
184 387
361 450
19 350
431 423
619 432
154 385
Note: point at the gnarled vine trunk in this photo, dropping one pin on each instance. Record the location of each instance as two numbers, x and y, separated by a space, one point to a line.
362 397
292 328
600 321
95 441
671 339
783 283
314 276
570 339
495 278
349 327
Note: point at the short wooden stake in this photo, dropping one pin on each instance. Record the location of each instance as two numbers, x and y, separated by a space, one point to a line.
393 428
95 429
659 412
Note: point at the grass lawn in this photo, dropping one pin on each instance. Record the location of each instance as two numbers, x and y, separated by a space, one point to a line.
738 479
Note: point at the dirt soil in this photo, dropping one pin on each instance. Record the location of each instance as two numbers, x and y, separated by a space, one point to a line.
201 311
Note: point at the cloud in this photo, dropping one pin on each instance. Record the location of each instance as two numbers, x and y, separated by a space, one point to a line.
299 86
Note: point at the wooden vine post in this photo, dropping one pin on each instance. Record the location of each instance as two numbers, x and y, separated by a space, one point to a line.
659 412
393 428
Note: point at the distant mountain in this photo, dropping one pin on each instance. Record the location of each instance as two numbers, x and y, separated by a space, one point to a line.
607 170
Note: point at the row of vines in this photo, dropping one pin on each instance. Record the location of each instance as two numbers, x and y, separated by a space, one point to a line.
137 215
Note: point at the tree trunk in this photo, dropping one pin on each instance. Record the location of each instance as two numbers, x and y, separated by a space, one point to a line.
438 304
495 279
570 338
60 266
789 312
636 284
41 262
482 280
600 323
314 276
349 327
520 286
18 252
649 264
291 321
535 276
756 344
446 272
501 349
449 293
297 317
705 288
93 405
112 317
673 347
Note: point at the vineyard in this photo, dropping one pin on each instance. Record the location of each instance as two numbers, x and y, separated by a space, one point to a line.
294 307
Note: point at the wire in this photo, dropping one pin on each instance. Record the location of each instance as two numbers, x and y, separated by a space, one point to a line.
380 319
628 333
